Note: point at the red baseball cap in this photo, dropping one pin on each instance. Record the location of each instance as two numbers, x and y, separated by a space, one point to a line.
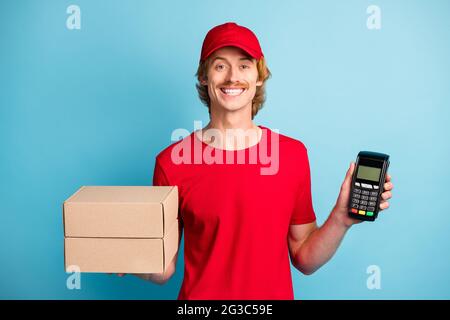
231 34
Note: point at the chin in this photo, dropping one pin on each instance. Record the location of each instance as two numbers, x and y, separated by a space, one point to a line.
233 106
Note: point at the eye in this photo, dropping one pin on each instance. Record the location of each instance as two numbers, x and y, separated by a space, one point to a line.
244 66
220 67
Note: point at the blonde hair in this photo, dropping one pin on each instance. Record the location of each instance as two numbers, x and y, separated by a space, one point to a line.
260 95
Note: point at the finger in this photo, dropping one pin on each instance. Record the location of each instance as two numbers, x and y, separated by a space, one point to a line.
388 177
388 186
384 205
349 174
386 195
351 169
345 187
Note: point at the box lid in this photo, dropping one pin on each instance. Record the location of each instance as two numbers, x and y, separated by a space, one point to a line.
120 211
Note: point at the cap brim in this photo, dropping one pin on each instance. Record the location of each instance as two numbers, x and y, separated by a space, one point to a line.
249 51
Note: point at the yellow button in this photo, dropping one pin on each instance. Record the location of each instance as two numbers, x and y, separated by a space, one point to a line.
362 212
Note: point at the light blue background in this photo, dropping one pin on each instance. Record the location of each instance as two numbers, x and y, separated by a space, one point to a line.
94 107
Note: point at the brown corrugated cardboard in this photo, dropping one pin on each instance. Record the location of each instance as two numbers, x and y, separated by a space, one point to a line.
120 211
121 255
121 229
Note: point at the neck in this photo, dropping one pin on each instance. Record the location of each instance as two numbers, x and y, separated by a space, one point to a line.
225 121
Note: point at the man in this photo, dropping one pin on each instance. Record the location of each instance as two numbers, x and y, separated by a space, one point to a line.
242 226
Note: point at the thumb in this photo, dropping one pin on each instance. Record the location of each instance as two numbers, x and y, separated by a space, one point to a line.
349 175
346 186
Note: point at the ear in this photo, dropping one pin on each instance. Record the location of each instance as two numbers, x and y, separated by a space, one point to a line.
259 83
204 82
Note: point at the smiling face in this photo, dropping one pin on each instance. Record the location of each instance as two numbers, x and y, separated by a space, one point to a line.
232 79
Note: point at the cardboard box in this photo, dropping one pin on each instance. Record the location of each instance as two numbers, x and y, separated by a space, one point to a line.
121 229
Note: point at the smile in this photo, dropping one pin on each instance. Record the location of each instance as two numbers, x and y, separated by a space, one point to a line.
232 91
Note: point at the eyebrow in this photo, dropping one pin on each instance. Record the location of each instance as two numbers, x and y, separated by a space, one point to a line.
241 59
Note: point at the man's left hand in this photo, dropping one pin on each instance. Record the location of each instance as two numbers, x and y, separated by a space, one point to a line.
341 208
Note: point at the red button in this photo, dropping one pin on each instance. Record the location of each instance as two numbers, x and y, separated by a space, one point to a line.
354 210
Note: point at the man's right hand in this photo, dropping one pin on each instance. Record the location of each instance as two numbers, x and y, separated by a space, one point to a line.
118 274
158 278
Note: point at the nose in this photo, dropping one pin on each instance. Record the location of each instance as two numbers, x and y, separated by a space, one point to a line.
233 74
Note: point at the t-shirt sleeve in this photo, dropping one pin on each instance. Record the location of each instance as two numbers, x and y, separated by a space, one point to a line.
303 207
160 179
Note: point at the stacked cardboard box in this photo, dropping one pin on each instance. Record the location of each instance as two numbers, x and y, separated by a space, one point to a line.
121 229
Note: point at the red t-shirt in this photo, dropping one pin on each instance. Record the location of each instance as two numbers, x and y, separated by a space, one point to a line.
236 220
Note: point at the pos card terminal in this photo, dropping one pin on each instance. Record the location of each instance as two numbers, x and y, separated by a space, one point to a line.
367 185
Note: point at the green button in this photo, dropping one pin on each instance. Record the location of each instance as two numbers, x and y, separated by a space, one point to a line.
369 213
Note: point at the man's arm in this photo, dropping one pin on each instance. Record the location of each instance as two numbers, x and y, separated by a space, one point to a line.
311 247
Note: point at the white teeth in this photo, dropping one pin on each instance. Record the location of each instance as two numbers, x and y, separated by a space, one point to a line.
232 92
